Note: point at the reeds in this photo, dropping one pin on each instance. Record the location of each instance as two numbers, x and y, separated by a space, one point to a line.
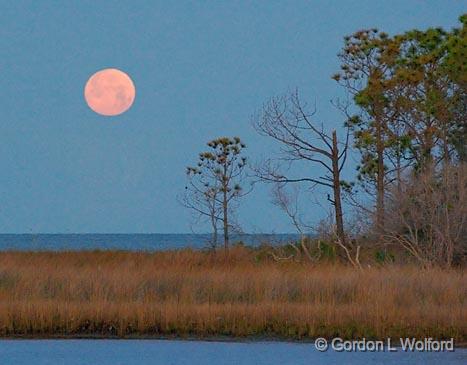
199 294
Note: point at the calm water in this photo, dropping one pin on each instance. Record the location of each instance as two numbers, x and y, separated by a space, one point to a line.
154 352
134 242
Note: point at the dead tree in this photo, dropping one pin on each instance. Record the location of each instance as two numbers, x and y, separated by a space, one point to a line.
286 120
288 202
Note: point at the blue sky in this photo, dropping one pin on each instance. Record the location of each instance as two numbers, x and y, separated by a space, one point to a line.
201 69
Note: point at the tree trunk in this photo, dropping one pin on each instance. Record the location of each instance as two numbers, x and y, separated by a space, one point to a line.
379 178
449 244
337 190
225 220
399 175
214 231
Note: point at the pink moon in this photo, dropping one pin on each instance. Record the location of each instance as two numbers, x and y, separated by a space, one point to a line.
109 92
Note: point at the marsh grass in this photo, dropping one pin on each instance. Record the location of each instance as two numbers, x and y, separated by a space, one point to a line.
200 294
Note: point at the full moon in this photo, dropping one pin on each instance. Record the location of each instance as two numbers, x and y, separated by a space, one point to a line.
109 92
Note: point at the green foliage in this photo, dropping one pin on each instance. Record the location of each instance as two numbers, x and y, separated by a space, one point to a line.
346 185
383 257
215 182
327 250
221 165
410 89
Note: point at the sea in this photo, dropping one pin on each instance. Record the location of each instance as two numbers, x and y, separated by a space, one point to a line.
128 241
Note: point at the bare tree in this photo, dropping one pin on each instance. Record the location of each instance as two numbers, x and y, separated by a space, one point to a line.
288 202
286 120
215 184
203 200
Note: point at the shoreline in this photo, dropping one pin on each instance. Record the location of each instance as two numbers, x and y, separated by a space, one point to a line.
218 339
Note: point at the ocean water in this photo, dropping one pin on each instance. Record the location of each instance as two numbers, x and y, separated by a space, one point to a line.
132 242
164 352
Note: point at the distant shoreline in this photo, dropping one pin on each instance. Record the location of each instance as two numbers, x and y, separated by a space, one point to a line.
147 242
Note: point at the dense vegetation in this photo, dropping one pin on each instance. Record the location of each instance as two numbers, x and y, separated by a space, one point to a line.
406 120
212 294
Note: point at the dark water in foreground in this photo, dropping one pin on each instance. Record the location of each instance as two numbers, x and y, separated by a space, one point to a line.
133 242
156 352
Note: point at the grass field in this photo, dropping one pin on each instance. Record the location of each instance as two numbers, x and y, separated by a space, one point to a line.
200 294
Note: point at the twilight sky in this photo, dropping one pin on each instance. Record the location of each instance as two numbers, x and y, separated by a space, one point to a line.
201 69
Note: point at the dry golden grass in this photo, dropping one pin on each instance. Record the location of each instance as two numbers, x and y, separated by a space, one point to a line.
189 293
